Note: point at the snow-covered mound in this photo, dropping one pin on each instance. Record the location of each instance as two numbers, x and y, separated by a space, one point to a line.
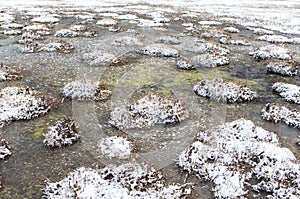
277 113
148 111
125 181
220 90
65 132
234 153
86 90
290 92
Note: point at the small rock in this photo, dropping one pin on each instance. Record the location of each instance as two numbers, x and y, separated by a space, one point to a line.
221 91
290 92
86 90
277 113
282 67
65 132
271 51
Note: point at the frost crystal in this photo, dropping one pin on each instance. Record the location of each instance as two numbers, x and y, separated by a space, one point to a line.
102 58
277 113
219 90
4 149
52 46
124 181
159 50
271 51
65 132
7 73
230 155
290 92
17 103
210 60
116 146
226 40
148 111
86 90
184 64
288 68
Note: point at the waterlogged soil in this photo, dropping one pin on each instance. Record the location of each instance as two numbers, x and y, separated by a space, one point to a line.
25 172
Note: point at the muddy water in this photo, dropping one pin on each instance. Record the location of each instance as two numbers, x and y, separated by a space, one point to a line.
24 173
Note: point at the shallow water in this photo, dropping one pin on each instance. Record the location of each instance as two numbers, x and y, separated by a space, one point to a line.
24 173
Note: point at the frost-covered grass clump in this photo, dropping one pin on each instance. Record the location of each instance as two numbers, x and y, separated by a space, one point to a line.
271 51
148 111
86 90
210 60
185 64
125 181
159 50
283 67
228 40
52 46
290 92
234 153
222 91
65 132
116 147
102 58
7 73
18 103
277 113
4 149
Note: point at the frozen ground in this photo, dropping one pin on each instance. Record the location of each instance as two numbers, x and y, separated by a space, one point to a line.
276 14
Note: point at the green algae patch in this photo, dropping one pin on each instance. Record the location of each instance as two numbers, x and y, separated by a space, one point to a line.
42 126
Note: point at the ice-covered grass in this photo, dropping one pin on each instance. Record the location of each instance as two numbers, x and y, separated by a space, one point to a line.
53 46
222 91
8 73
290 92
148 111
159 50
4 149
271 51
277 113
116 147
283 67
65 132
231 154
102 58
125 181
86 90
18 103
